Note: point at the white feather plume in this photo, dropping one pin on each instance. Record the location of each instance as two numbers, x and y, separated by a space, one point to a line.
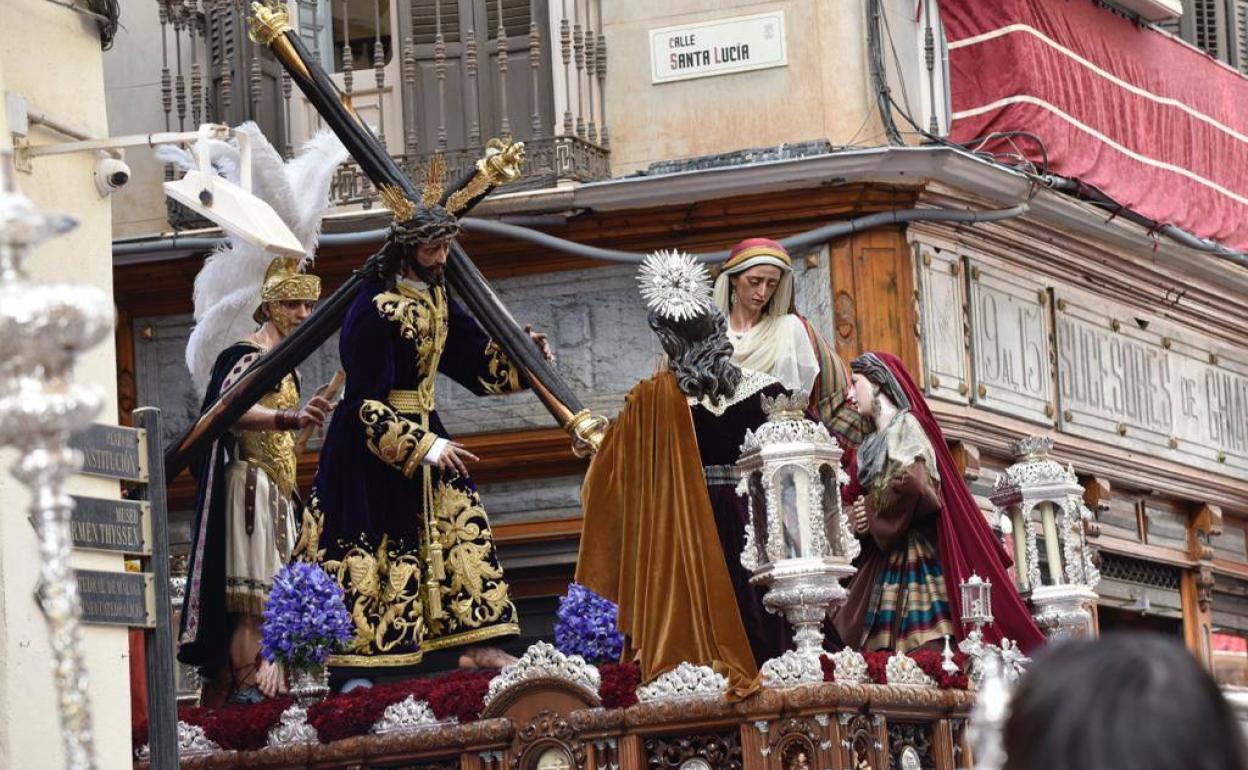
223 157
227 289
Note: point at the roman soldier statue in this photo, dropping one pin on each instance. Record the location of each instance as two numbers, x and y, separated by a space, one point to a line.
246 504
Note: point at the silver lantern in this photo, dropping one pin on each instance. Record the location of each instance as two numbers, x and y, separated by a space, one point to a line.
798 541
1044 500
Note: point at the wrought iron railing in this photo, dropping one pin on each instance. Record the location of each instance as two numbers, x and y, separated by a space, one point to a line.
430 76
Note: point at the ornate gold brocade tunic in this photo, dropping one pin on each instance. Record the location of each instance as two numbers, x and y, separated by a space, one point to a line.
410 544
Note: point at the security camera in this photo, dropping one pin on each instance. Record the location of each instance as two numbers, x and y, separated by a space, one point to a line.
110 174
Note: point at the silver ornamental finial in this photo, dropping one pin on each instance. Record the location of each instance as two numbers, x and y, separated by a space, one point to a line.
786 406
675 285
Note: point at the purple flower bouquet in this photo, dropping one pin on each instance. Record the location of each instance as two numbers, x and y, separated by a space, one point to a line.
585 625
305 619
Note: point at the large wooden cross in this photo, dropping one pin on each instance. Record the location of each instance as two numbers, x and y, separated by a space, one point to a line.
270 26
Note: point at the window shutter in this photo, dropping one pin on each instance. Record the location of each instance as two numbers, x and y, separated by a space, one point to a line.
424 21
516 17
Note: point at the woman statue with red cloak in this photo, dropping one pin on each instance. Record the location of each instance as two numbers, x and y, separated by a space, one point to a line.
922 532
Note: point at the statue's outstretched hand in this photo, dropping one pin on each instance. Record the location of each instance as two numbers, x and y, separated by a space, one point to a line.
539 339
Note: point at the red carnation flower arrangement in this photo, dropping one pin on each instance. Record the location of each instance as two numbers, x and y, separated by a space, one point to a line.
618 689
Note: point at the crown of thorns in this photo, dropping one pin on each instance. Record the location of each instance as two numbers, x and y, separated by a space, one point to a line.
429 224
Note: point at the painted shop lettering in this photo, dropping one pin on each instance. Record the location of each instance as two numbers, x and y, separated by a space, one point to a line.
726 54
1121 378
1011 343
1228 409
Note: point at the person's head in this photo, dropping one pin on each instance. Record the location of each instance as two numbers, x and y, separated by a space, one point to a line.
429 260
692 331
863 393
872 381
757 278
754 288
287 296
1134 701
419 240
699 353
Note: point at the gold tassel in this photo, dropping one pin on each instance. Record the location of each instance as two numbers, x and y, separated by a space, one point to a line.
437 567
433 600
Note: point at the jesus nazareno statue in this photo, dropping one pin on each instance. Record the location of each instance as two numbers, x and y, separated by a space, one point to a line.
393 515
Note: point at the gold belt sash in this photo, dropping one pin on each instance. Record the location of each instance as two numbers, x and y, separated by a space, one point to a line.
411 401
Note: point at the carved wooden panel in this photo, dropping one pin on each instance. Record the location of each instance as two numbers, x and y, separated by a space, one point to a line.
1010 345
942 307
910 743
721 750
860 740
873 296
1135 381
548 741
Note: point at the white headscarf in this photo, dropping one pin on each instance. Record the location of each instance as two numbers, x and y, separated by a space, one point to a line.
778 343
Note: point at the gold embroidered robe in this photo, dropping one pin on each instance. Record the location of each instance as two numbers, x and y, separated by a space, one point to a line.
410 545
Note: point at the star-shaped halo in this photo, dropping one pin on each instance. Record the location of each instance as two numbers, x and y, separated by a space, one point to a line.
675 285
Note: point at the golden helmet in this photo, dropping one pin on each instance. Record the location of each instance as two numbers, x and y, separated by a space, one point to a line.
284 281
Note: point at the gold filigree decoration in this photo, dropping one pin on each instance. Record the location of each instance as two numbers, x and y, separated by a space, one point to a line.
274 450
587 431
397 442
473 590
283 280
503 375
399 204
299 287
459 200
308 546
269 25
382 592
503 161
422 318
435 179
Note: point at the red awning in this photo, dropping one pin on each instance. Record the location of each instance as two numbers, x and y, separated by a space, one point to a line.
1153 123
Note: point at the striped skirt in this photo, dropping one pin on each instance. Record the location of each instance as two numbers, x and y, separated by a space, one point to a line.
909 604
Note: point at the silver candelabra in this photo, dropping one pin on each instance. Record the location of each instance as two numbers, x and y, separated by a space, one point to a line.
43 329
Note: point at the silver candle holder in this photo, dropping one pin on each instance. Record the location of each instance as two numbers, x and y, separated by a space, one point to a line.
43 329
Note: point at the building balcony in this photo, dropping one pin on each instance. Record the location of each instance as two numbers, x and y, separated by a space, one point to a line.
429 76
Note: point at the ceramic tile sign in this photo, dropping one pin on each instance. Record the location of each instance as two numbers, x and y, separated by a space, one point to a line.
720 47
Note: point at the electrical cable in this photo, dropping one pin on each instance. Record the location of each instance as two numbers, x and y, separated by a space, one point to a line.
879 81
794 243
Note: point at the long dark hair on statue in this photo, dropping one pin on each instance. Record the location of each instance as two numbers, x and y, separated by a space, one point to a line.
699 354
387 264
1135 701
